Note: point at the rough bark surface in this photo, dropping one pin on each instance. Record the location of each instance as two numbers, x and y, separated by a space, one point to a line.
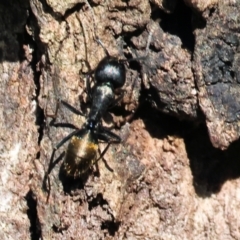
19 132
165 180
216 61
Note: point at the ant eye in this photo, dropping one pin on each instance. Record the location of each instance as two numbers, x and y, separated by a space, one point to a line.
111 70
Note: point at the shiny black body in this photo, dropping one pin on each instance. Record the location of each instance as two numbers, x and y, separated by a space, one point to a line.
109 75
82 150
103 96
110 70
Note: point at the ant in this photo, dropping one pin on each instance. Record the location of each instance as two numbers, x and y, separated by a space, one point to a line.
81 153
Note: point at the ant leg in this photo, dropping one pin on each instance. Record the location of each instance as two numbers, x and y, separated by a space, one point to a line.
70 107
108 137
47 187
52 162
54 116
101 156
55 80
66 105
115 101
65 139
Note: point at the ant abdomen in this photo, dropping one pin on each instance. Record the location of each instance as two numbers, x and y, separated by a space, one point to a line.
111 70
81 153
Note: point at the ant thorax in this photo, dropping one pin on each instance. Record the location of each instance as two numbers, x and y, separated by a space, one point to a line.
103 96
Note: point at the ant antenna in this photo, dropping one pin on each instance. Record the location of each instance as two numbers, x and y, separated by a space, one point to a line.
151 31
97 39
153 26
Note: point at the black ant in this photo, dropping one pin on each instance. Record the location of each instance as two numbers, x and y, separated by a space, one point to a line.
82 150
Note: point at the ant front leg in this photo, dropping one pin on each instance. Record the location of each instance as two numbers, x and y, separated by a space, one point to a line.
69 107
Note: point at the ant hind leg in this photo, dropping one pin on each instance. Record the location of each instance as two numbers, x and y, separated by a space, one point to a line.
109 137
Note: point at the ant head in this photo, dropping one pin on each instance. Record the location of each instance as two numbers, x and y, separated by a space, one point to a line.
111 70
